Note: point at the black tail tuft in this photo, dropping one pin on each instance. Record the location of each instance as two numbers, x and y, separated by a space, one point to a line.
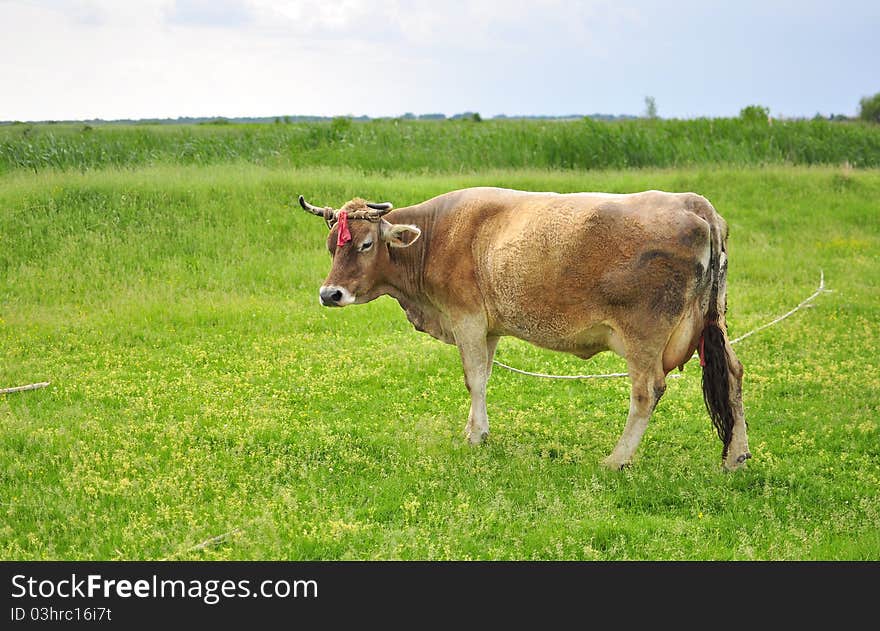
716 383
716 373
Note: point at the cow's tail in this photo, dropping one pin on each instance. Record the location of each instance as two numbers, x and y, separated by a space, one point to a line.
713 346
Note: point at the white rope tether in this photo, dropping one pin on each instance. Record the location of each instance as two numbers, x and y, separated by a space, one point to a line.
610 375
806 302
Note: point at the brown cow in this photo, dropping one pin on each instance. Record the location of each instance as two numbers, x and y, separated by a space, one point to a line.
643 275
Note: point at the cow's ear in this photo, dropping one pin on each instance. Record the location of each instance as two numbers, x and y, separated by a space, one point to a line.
399 235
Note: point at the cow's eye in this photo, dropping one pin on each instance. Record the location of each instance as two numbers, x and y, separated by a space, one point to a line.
366 245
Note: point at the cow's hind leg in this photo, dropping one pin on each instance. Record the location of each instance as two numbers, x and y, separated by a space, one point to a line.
737 452
648 385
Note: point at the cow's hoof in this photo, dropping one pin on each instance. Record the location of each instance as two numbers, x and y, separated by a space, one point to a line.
614 464
732 464
477 438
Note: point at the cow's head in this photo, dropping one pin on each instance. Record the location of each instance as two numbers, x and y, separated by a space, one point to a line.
359 242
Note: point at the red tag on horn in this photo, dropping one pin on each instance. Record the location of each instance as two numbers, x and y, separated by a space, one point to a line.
344 235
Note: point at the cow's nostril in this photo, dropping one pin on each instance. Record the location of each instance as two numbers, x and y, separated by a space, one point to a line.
336 296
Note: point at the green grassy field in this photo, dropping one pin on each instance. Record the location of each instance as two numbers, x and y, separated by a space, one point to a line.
199 389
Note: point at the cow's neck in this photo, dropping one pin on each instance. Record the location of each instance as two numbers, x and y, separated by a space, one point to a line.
405 277
405 280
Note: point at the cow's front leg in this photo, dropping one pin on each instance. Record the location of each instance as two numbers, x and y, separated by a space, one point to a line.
474 349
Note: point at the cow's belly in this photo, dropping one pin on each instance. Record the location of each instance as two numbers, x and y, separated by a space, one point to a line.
553 326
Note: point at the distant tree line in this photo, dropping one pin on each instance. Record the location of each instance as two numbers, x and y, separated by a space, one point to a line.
289 119
869 111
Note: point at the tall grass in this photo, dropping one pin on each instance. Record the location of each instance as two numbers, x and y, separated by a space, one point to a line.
446 146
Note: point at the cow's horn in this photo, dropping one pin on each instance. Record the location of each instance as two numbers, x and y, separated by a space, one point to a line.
377 210
386 206
326 213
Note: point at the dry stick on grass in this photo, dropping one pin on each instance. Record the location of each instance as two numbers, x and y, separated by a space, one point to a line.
32 386
204 544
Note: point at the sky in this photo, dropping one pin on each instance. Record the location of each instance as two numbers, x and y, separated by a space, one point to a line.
111 59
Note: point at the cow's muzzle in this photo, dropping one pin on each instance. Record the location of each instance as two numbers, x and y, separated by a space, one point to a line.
335 296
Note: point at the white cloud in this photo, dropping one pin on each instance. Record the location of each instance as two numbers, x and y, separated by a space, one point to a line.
146 58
